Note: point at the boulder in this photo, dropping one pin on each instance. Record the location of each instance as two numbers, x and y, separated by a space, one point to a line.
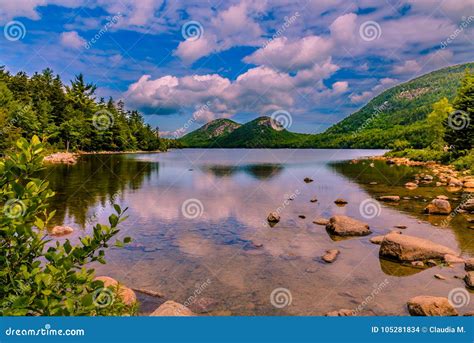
377 239
321 221
451 259
340 201
469 184
273 217
126 294
61 230
340 313
172 309
346 226
469 265
410 248
469 279
438 206
425 305
453 182
330 256
390 198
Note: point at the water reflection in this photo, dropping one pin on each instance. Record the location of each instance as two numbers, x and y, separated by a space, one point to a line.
258 171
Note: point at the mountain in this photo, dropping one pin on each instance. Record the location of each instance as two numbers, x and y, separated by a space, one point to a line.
396 115
262 132
207 134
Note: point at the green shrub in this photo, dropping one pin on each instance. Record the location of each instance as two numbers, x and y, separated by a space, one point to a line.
465 162
423 155
39 276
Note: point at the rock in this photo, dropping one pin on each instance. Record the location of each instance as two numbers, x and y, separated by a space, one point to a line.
432 263
346 226
314 200
411 185
126 294
400 227
425 305
410 248
418 264
377 239
438 206
340 313
203 305
469 184
61 230
390 198
442 197
308 180
439 276
257 244
374 183
453 182
273 217
453 259
330 256
321 221
172 309
469 314
428 178
340 201
302 216
469 265
61 157
311 270
468 205
469 279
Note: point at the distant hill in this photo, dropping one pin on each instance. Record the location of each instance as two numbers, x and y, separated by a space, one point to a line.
397 114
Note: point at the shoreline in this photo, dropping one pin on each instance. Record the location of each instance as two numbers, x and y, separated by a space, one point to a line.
71 158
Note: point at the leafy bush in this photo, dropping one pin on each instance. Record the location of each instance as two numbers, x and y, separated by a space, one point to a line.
465 162
423 155
39 276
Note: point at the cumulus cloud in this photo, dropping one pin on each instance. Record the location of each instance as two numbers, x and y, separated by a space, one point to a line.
382 84
72 39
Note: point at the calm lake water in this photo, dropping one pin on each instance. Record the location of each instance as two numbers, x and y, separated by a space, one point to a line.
198 222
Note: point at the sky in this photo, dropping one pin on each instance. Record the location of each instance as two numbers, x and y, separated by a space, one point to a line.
184 63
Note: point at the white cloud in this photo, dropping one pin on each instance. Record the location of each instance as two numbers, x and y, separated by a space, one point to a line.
382 84
72 39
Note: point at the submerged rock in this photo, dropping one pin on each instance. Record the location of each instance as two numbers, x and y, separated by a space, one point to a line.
425 305
346 226
61 230
340 313
410 248
314 199
172 309
308 179
377 239
331 255
390 198
340 201
438 206
439 276
321 221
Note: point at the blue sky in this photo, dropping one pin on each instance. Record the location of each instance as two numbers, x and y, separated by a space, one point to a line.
183 63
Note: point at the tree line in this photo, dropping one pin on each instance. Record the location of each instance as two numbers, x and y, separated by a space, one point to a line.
69 117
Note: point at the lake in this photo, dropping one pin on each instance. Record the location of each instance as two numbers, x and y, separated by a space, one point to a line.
198 222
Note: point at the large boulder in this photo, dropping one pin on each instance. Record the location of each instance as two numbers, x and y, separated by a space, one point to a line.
346 226
172 309
409 248
126 294
438 206
425 305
